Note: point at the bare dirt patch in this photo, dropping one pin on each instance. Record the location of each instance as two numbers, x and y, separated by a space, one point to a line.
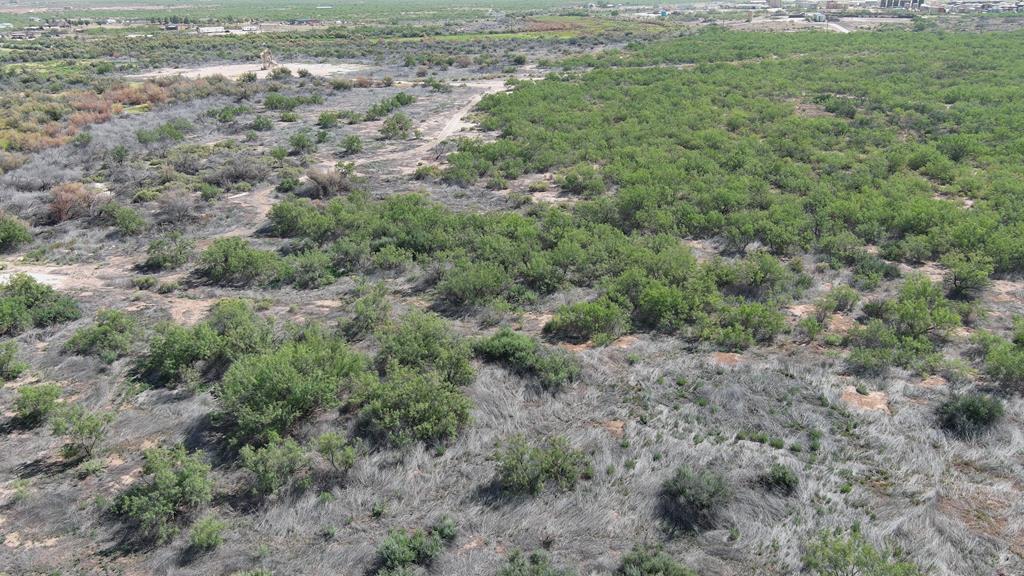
933 381
876 401
726 358
614 427
841 324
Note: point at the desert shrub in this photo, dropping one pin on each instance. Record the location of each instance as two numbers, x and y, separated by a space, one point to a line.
692 498
552 367
174 350
410 406
329 182
298 217
398 126
109 338
271 392
967 275
647 561
780 478
171 131
168 252
746 323
262 124
231 330
351 144
336 450
13 233
839 299
302 143
73 200
599 319
403 548
26 303
525 468
328 119
370 311
424 341
127 221
581 180
761 277
233 262
388 105
83 429
474 283
970 415
535 564
228 113
834 555
274 465
310 269
10 366
35 404
178 484
1003 360
207 534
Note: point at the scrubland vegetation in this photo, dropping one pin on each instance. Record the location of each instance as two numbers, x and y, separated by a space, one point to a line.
706 302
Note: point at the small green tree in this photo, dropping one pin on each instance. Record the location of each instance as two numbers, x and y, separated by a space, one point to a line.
36 403
109 338
398 126
273 466
177 484
335 449
692 498
83 429
10 366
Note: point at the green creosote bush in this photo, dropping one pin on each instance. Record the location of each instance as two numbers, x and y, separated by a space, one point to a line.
412 406
370 311
529 469
581 180
601 320
327 120
10 366
474 284
834 555
83 429
967 275
302 143
233 262
537 563
648 561
398 126
275 464
13 233
336 449
309 270
262 124
232 329
403 549
692 498
168 252
177 485
109 338
207 534
780 478
35 404
970 415
26 303
552 367
744 324
351 144
388 105
423 341
271 392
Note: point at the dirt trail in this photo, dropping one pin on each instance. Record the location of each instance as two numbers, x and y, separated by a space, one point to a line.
407 160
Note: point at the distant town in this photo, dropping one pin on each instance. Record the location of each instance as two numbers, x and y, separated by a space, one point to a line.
812 10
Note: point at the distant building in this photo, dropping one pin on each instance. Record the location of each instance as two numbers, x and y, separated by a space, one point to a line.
212 30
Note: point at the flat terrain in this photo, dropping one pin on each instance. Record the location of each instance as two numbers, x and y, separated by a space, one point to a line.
543 293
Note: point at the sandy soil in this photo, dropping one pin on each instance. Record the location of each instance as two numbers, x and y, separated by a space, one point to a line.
236 70
876 401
